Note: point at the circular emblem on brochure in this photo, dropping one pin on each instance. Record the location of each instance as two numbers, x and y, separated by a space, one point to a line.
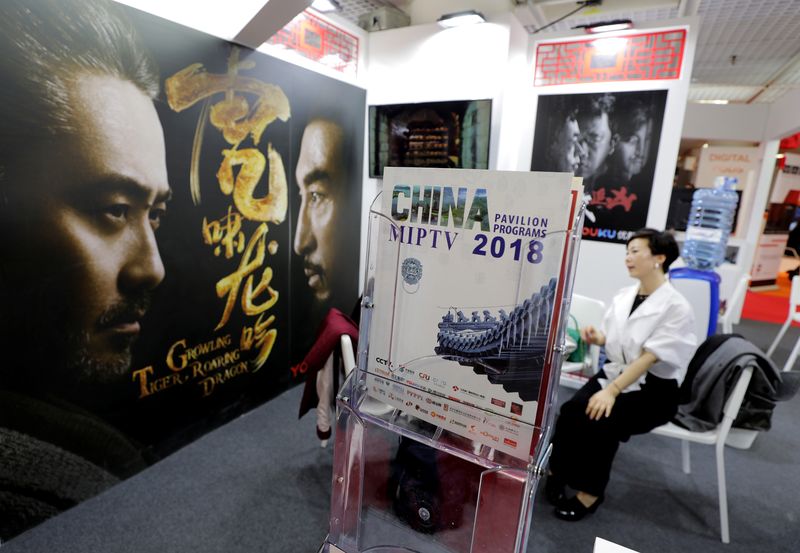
411 271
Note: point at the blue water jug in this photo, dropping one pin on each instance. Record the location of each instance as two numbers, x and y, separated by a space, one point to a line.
710 222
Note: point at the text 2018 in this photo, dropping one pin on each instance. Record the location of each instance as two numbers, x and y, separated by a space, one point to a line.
497 247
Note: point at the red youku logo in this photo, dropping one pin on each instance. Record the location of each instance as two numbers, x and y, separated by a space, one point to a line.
618 198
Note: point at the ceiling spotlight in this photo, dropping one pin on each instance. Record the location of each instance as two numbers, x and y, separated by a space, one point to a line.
468 17
325 6
606 26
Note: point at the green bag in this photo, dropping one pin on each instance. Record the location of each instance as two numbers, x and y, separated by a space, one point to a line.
579 354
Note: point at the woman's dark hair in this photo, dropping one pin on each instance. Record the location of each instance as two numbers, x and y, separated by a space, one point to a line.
660 243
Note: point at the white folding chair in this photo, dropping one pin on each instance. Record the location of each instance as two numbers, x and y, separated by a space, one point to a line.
715 437
369 404
348 359
734 305
587 311
793 316
696 292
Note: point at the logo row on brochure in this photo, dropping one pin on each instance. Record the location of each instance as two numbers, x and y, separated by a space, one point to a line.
446 416
413 378
474 421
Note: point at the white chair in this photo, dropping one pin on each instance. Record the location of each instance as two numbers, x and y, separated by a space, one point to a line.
734 305
740 438
348 359
790 260
369 405
715 437
793 316
325 388
696 292
587 311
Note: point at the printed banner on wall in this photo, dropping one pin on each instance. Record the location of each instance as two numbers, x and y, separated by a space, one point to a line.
468 281
612 141
718 161
177 217
787 179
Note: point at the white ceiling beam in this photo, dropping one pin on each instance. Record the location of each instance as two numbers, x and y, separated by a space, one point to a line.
688 8
269 20
789 66
530 15
551 2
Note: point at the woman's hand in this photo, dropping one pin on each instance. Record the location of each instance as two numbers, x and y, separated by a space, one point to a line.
591 335
600 404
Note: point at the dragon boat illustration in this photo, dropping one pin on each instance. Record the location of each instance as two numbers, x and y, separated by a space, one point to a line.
508 348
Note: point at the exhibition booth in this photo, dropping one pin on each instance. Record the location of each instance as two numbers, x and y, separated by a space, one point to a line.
214 215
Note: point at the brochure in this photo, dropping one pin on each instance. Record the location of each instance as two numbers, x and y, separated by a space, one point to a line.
468 291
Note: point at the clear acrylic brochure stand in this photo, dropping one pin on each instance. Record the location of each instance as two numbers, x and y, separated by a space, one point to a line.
403 481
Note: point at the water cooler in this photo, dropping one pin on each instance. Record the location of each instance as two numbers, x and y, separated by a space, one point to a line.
710 223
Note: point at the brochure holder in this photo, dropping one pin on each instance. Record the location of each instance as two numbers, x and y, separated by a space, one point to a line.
426 469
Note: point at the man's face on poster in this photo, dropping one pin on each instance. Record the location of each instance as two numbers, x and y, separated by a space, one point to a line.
596 140
631 151
566 151
93 204
321 182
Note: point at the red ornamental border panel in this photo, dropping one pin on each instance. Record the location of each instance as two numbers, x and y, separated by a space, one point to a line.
650 56
316 39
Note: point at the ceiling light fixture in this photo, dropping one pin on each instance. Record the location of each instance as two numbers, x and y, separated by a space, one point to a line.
326 6
606 26
581 5
718 102
467 17
609 46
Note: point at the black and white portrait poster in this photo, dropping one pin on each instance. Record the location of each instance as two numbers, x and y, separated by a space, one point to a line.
611 140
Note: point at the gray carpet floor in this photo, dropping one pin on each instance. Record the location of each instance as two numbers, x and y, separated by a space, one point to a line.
262 484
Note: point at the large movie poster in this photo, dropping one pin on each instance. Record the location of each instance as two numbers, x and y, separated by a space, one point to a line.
177 215
611 140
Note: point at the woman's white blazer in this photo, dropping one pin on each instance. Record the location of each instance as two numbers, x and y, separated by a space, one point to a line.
663 325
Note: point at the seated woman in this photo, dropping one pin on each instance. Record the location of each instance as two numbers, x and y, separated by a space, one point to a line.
648 334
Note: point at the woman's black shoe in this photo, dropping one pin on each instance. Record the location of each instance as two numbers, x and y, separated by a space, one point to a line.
572 509
554 491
